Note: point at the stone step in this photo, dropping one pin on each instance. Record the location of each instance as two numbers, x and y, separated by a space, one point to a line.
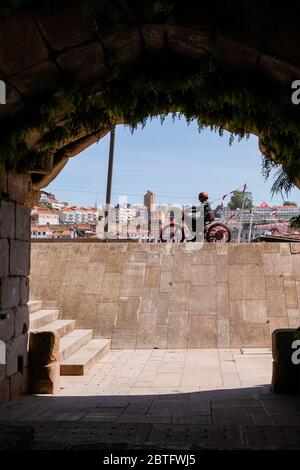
41 318
35 305
62 327
73 341
83 359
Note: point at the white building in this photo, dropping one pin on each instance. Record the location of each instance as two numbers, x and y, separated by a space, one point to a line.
42 217
78 215
41 232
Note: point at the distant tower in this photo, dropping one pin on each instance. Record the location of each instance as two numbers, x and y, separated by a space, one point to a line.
150 201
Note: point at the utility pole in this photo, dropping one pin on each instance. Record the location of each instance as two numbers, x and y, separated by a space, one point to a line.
109 179
242 214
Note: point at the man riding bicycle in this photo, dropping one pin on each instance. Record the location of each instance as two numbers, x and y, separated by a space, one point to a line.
209 214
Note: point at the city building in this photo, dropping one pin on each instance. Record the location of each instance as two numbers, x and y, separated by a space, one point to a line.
41 216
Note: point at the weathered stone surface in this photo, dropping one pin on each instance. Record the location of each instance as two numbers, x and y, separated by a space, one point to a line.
204 257
276 303
223 300
290 291
150 300
202 331
152 276
272 264
10 292
253 311
7 325
296 263
223 334
205 275
244 254
16 354
4 391
94 278
22 222
133 279
246 282
111 287
106 320
203 301
115 262
165 281
178 331
16 386
4 257
181 267
179 297
24 290
18 187
128 312
19 262
146 331
274 282
21 320
7 219
254 335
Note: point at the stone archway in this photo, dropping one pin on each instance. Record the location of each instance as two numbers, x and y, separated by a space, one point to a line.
74 70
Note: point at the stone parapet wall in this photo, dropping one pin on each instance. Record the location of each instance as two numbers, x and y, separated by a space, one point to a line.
15 193
172 296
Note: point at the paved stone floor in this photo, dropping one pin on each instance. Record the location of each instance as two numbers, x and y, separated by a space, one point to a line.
166 399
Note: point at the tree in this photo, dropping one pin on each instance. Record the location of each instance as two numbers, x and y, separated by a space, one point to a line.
289 203
236 200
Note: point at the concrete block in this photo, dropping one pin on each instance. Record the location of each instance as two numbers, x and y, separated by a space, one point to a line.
203 300
178 330
22 222
128 312
21 319
202 331
204 275
19 262
244 254
10 292
246 282
4 258
7 219
248 311
179 297
106 320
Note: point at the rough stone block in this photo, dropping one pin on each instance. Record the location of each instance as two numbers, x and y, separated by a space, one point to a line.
15 386
276 303
277 322
202 331
181 267
272 264
296 264
222 268
124 338
203 300
128 312
203 275
133 279
3 182
150 299
24 287
99 253
223 334
167 263
293 317
154 36
204 257
161 337
249 335
106 319
136 257
4 257
152 276
295 248
162 310
274 282
21 320
115 262
244 254
43 348
19 263
10 292
246 282
22 222
179 297
111 287
44 379
16 355
223 300
290 291
287 264
248 311
4 391
7 219
7 324
178 330
95 276
18 187
146 332
154 259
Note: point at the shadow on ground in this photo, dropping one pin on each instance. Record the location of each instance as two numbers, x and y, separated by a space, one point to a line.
244 418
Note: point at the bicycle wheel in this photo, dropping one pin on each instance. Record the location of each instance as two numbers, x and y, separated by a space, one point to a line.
218 233
172 233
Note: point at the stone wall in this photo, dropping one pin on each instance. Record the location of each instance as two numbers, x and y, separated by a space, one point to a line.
14 283
172 296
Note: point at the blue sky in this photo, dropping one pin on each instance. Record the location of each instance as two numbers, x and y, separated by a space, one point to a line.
172 159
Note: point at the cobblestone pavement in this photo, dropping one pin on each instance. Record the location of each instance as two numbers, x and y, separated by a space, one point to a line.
167 399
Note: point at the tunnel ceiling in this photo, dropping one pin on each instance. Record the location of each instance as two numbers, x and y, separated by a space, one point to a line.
73 69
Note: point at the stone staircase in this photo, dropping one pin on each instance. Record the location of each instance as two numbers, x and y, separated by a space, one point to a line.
78 351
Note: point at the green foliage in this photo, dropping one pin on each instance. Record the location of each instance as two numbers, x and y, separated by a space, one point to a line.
294 222
236 201
290 203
